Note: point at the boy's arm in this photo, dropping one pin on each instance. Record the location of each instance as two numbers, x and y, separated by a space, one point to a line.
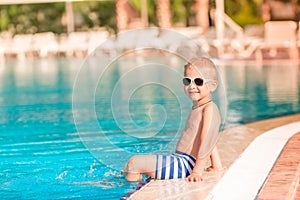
196 175
200 164
216 164
205 127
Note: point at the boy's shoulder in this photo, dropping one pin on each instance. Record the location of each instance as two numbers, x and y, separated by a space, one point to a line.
211 107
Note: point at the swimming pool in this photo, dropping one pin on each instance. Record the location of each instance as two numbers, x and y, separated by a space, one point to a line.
46 155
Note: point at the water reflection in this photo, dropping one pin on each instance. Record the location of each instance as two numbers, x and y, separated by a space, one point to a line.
36 95
40 144
259 91
254 91
283 84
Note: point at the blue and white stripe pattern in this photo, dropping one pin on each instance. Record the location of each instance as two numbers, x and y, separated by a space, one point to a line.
177 165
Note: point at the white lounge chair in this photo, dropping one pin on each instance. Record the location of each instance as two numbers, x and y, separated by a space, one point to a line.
96 38
279 35
20 46
76 43
44 44
5 43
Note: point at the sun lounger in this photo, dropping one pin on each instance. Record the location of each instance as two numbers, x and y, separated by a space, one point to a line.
96 38
279 35
76 44
19 46
44 44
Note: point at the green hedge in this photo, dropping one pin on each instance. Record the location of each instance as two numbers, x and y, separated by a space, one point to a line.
32 18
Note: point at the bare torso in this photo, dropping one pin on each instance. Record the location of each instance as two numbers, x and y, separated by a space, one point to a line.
190 139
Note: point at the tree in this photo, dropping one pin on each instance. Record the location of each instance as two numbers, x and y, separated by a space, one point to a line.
202 12
122 17
163 13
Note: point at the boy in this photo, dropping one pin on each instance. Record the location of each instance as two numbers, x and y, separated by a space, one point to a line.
197 141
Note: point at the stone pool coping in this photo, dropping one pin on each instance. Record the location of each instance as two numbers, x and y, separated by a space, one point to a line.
232 145
247 175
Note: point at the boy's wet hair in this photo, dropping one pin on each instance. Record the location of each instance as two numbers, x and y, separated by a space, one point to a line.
205 67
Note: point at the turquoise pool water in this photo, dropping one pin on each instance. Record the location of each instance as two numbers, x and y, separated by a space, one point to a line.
46 155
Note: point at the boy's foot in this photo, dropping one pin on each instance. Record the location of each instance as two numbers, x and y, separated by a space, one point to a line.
215 169
133 177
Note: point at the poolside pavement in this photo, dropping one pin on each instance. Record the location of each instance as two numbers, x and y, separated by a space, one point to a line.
232 145
283 180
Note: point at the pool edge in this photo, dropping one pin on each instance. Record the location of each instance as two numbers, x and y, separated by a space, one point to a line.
262 127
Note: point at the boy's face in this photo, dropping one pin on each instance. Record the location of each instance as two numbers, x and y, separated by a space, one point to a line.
194 91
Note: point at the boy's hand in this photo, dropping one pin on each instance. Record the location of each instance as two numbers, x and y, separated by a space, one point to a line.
194 177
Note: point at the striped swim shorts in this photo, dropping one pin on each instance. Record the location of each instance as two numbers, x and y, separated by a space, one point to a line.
177 165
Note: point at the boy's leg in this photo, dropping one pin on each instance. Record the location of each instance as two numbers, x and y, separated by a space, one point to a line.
138 165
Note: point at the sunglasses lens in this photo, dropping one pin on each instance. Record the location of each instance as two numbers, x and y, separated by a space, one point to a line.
198 81
186 81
